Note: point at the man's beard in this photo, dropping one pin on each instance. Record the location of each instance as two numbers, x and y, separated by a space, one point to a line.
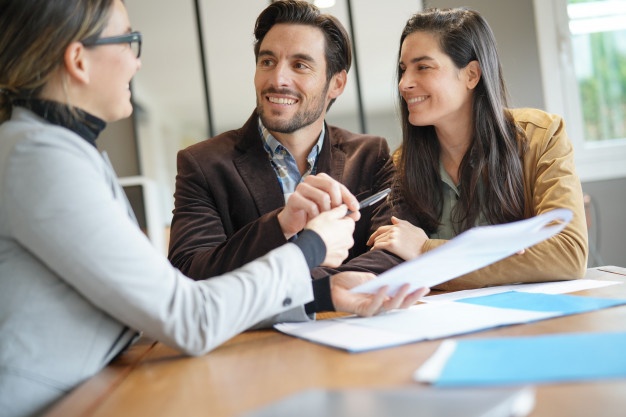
300 120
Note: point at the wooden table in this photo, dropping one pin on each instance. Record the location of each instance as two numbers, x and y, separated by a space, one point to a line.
259 367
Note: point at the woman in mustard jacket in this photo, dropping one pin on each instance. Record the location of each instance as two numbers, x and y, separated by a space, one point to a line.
467 159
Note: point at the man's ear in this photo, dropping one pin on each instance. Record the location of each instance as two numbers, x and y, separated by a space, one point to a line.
76 62
337 84
473 74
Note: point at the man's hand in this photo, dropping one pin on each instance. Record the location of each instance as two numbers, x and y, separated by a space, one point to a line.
367 305
315 195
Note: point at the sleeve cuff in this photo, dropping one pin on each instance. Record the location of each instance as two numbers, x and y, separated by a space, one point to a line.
322 300
312 246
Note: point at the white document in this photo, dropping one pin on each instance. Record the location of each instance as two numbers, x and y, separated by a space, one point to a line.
555 287
443 318
469 251
417 323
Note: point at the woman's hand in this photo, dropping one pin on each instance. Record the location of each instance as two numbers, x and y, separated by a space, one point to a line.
400 238
335 229
367 305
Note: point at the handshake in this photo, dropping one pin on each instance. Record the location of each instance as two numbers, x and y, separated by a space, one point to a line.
328 208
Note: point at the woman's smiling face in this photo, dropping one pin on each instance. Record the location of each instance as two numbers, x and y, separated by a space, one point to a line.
435 91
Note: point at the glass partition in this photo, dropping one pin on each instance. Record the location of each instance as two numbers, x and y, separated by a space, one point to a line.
171 108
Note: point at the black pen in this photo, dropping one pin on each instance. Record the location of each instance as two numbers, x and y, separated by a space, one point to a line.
373 199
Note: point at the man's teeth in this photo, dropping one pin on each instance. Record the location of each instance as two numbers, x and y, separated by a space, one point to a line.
280 100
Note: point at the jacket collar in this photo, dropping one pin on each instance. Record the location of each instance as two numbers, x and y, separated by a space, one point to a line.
256 171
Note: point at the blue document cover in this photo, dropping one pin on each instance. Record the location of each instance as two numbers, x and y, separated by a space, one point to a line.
557 303
534 360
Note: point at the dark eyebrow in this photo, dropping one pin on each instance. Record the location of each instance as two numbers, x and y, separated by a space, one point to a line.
418 59
266 53
303 57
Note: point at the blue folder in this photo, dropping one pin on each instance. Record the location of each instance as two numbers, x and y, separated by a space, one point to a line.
563 303
537 359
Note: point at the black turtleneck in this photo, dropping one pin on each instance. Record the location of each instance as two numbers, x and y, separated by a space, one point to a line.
78 121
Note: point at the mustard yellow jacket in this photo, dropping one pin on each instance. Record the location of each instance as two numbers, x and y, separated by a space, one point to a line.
550 182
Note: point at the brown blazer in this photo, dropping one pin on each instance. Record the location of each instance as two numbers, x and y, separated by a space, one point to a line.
227 199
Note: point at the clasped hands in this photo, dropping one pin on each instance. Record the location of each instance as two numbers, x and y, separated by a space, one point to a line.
321 204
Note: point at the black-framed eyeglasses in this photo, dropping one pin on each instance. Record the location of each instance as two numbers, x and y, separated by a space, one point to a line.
133 39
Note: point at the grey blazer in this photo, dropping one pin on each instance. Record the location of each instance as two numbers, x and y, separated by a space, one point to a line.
78 279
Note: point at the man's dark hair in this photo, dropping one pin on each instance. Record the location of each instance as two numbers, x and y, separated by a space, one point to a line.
338 46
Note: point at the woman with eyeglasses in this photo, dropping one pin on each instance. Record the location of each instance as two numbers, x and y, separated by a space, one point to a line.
78 279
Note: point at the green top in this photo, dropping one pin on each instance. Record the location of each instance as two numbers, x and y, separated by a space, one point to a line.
451 195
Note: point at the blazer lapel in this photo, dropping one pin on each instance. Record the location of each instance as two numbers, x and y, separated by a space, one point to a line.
117 188
256 171
332 158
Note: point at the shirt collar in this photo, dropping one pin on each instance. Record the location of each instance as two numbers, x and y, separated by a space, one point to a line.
274 146
446 179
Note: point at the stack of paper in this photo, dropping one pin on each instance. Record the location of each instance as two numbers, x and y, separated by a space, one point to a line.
555 287
442 319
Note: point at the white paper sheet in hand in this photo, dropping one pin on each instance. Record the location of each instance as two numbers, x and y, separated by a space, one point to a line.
469 251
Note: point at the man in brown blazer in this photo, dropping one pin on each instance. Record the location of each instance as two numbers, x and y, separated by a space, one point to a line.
244 192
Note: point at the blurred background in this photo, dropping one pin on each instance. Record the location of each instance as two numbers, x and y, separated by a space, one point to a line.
198 66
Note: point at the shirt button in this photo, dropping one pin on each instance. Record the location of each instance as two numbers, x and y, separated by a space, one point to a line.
287 302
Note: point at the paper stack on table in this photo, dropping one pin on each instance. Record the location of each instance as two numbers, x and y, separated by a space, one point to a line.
442 319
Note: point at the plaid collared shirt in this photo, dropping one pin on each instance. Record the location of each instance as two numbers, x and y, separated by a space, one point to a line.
284 163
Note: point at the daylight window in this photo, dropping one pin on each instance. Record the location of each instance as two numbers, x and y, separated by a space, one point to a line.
598 36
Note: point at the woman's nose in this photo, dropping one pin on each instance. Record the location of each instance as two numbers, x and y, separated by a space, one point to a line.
405 83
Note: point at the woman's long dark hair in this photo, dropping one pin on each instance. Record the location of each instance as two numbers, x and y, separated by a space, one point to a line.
495 152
